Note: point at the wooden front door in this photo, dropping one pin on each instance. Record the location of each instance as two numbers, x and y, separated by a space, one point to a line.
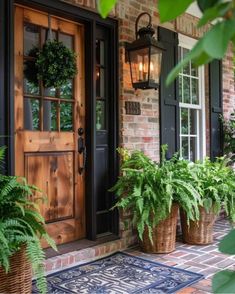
46 125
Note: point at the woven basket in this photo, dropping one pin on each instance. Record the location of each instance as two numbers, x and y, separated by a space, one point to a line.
201 232
164 235
19 279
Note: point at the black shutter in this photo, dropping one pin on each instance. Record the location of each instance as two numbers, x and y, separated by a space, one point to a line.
169 96
216 108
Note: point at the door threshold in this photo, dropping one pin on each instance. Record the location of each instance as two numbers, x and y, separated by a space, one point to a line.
79 245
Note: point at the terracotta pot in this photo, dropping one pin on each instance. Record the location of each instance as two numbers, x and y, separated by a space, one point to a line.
164 235
200 232
19 278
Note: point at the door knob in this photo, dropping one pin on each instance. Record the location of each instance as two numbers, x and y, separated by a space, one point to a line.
80 131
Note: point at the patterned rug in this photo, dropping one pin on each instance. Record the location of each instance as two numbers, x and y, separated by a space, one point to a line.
118 274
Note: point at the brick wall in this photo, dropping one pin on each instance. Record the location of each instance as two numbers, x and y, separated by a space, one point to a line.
142 132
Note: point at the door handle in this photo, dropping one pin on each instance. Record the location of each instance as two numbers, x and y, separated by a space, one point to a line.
82 168
81 150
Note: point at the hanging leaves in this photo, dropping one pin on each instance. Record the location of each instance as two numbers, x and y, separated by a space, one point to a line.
168 13
56 64
105 6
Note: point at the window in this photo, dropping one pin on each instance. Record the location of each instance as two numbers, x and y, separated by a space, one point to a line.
45 109
192 106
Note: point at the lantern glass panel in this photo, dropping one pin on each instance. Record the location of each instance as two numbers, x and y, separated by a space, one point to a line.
139 65
155 65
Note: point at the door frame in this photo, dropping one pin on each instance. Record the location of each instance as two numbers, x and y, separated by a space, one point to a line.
89 20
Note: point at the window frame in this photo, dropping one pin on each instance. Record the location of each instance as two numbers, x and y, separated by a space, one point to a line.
188 43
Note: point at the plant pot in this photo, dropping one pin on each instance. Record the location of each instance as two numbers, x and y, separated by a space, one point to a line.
198 232
19 278
164 235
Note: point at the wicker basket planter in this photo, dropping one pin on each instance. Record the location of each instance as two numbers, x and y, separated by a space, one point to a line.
19 278
164 235
201 232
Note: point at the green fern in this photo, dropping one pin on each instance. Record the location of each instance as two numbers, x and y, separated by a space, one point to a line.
22 224
149 189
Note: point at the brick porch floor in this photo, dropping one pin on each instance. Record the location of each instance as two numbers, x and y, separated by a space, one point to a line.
200 259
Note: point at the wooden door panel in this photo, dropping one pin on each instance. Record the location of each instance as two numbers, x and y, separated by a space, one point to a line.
48 157
53 175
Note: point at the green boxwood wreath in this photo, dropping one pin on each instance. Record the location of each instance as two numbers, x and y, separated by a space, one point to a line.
55 65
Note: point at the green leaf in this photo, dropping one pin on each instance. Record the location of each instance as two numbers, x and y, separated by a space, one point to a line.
223 282
227 244
213 12
205 4
105 7
198 57
215 42
169 10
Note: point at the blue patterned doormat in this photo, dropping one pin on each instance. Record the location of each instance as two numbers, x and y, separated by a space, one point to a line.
118 274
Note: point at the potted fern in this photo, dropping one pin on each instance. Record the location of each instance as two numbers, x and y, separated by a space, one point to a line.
21 229
153 193
215 182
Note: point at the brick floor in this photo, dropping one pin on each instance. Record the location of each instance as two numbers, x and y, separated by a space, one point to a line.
201 259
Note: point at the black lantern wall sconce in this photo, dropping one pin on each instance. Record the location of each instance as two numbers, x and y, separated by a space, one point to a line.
145 57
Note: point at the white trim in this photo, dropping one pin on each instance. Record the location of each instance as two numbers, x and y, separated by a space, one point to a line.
194 10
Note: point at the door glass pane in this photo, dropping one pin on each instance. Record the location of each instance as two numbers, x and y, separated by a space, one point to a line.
31 114
195 91
100 115
186 89
45 35
100 52
30 88
100 84
193 149
185 147
97 81
49 115
193 121
67 40
66 91
66 117
50 92
31 38
184 121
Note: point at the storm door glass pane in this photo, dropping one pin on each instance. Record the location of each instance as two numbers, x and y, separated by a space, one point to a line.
100 82
31 38
100 115
31 114
66 117
49 115
184 121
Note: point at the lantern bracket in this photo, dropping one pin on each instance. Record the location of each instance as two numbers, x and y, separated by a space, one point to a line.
148 30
